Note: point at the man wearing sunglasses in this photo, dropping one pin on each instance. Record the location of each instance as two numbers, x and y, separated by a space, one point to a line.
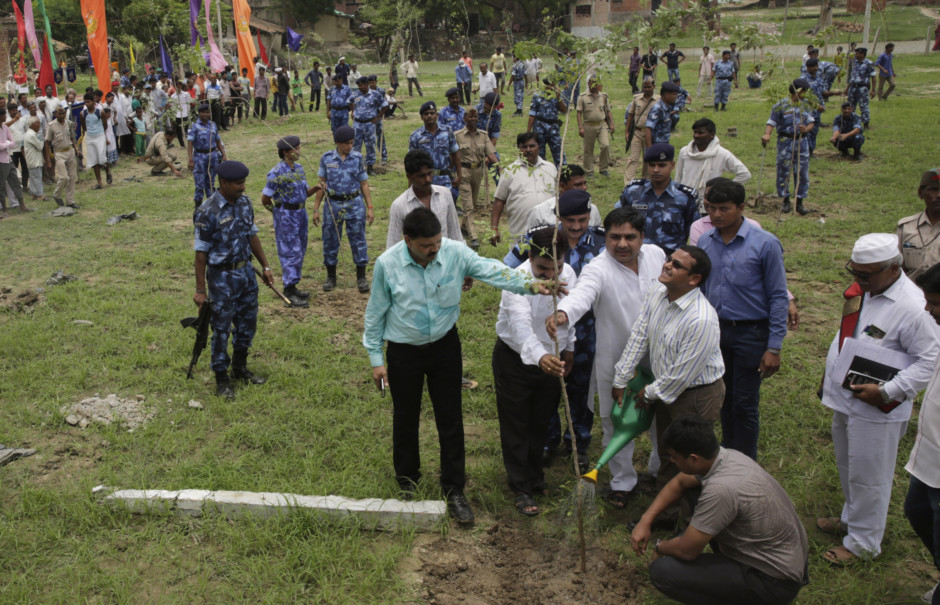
882 309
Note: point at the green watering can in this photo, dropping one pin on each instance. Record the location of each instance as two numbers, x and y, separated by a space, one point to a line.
627 419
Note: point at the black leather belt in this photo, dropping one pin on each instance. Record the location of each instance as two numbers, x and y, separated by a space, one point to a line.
363 121
742 322
436 172
228 266
724 78
345 197
471 164
291 206
702 386
201 150
784 136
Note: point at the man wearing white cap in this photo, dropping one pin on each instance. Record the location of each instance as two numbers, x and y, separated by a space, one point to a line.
883 309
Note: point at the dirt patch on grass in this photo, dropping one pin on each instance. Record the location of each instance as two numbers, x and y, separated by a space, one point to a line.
512 564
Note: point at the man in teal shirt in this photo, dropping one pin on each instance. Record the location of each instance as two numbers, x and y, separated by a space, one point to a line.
415 303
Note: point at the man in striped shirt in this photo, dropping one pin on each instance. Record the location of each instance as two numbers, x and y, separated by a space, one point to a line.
678 329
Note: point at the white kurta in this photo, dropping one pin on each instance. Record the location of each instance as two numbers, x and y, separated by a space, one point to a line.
616 293
121 109
695 168
866 439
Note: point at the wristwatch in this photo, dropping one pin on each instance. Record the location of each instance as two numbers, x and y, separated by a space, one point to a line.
656 546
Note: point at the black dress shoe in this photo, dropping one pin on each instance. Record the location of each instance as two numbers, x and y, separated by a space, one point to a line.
459 508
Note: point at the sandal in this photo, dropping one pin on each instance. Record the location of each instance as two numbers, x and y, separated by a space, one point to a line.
617 499
839 556
525 504
830 525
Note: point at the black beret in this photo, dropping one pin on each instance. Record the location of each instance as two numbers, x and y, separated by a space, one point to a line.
362 80
203 107
337 77
344 134
813 51
490 98
812 61
574 201
801 83
452 92
429 105
232 171
668 87
862 49
289 142
846 104
659 152
373 78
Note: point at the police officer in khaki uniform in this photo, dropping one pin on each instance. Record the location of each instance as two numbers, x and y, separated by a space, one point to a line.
919 234
635 120
476 151
595 124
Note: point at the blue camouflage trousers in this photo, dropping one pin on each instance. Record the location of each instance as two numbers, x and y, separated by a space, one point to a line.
858 96
853 142
518 94
204 165
787 155
722 90
234 296
365 133
351 213
812 134
290 234
578 386
445 181
338 117
549 136
379 130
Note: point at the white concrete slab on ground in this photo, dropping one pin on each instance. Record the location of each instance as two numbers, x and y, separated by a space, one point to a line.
373 512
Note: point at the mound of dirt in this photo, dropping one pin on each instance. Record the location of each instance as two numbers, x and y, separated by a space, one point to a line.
511 565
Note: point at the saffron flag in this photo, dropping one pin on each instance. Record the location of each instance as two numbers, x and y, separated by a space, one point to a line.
31 31
216 61
47 74
165 62
293 40
45 20
193 15
96 28
263 54
246 46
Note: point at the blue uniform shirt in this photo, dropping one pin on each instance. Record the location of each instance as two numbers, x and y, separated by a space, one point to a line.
223 230
724 69
681 99
862 72
450 118
439 145
286 185
785 117
339 98
659 119
747 280
368 104
669 216
589 245
518 72
843 125
544 109
342 176
818 86
491 122
203 135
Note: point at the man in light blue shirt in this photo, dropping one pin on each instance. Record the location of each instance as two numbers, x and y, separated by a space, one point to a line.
415 303
747 286
885 65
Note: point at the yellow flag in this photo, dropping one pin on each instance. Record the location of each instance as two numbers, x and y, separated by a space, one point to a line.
133 62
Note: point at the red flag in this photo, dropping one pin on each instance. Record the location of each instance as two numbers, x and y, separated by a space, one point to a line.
20 76
263 55
46 76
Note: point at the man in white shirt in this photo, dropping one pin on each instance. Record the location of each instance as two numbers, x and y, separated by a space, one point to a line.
526 369
419 168
884 317
615 284
52 102
486 82
532 72
706 64
704 159
410 67
678 330
523 185
181 102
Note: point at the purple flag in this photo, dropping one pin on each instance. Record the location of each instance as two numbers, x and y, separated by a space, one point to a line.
216 60
165 61
193 15
293 39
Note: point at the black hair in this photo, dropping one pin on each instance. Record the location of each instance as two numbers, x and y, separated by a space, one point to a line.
619 216
541 239
812 62
525 137
689 435
416 159
421 222
929 280
89 96
722 190
170 129
703 264
704 123
570 170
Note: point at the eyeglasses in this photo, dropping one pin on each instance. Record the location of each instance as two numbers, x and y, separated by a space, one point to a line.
864 276
677 265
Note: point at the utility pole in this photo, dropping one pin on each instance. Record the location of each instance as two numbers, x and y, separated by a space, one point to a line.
867 23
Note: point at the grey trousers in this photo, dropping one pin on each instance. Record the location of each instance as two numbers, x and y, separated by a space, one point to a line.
8 177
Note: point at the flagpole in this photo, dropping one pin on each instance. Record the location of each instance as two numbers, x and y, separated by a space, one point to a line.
218 16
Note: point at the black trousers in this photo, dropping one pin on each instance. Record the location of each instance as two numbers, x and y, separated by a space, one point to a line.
261 108
314 96
526 398
180 135
634 75
19 160
408 366
464 88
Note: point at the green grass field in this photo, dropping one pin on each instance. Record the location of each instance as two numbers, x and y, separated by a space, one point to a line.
319 427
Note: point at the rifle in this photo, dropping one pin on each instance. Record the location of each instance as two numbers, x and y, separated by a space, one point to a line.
201 325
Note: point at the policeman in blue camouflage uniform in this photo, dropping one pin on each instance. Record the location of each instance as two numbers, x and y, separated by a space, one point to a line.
682 99
586 242
544 122
491 122
861 83
819 88
670 208
441 146
285 195
847 132
658 127
225 238
827 71
344 181
517 79
205 152
367 106
724 74
380 125
451 117
793 120
337 103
